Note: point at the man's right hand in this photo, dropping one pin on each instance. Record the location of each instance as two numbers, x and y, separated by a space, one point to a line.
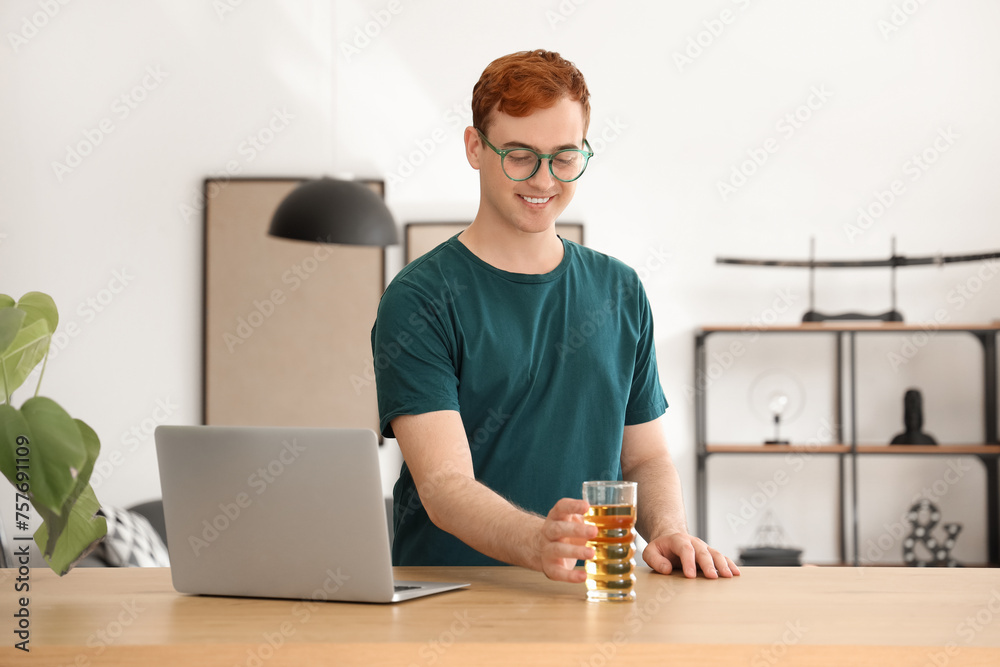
563 541
435 448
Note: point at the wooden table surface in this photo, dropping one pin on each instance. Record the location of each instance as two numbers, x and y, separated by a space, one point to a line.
510 616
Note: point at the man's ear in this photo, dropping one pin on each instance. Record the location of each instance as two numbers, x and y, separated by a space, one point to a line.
473 145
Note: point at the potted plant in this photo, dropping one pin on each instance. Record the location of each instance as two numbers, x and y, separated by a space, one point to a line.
46 454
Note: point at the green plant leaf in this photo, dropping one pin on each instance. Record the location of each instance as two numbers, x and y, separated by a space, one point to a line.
57 523
81 533
30 344
92 446
10 323
58 453
62 450
23 354
69 530
12 425
39 306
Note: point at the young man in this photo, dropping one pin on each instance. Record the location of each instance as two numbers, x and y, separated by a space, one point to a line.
511 365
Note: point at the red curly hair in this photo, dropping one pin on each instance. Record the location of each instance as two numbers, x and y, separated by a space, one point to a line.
523 82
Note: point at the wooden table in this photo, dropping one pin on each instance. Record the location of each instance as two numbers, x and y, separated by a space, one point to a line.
510 616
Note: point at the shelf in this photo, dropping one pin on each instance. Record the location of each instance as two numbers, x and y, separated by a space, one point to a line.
890 450
846 334
847 327
939 450
777 449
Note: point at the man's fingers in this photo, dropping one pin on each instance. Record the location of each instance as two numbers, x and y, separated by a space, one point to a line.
560 573
690 554
566 507
559 560
707 564
559 530
656 560
727 568
689 559
574 552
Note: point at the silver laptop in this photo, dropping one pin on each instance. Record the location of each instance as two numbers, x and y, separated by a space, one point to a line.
278 513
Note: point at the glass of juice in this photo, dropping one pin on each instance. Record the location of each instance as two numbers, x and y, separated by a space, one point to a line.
610 575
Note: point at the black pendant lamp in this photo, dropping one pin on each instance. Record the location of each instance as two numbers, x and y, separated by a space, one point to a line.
334 211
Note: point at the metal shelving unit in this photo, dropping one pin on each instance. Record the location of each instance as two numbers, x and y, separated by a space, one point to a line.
847 449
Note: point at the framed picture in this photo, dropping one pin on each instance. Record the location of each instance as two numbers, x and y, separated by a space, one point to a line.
422 237
286 323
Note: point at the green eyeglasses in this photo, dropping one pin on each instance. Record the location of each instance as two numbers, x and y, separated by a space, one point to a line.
520 164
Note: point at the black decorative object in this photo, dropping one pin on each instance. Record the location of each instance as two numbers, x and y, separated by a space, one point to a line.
768 547
779 395
335 211
892 262
923 517
777 405
913 420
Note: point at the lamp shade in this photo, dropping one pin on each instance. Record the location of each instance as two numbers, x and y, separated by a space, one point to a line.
334 211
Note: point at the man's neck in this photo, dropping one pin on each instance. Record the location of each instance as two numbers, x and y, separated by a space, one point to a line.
513 250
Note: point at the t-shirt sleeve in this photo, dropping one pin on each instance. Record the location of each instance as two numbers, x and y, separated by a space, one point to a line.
646 401
413 354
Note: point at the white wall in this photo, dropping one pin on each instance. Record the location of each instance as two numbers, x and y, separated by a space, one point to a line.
392 103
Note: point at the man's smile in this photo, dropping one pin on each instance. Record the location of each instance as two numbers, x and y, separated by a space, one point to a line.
535 200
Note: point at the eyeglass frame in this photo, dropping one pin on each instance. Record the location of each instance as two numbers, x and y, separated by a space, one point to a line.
502 152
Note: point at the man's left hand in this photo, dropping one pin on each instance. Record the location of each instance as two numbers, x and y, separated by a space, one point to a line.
690 554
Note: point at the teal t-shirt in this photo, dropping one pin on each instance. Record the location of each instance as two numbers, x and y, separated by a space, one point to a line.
545 369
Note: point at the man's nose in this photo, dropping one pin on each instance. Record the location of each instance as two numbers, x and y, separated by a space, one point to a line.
542 178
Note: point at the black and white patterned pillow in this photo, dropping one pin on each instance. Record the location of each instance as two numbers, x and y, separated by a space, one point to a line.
131 541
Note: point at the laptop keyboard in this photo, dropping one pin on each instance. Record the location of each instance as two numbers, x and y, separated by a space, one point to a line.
399 588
